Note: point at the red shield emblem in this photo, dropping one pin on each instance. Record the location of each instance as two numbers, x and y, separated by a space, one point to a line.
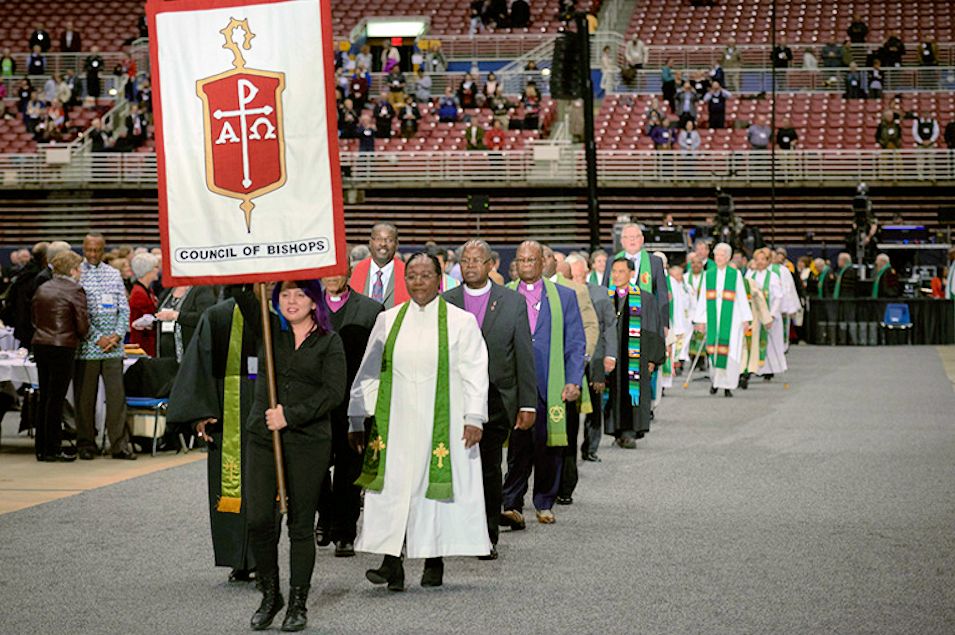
242 120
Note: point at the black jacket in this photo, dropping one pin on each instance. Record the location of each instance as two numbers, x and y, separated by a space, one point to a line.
310 381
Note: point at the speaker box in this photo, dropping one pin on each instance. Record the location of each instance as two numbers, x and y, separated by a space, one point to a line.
565 68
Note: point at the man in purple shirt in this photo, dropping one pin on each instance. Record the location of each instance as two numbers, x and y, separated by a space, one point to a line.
512 394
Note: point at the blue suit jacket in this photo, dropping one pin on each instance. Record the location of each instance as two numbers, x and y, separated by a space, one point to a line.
575 341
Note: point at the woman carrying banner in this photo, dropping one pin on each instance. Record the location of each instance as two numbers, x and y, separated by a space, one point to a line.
310 378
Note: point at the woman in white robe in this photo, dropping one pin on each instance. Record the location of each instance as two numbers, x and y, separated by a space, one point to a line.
400 514
775 344
725 378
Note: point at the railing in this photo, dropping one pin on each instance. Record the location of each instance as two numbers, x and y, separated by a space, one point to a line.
107 83
512 82
490 46
929 78
59 63
546 164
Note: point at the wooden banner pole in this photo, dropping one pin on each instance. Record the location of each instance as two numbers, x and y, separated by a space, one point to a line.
273 394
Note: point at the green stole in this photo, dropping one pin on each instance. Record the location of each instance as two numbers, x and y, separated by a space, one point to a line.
586 407
668 364
230 499
556 409
439 473
835 294
878 277
645 276
821 290
719 329
763 333
593 278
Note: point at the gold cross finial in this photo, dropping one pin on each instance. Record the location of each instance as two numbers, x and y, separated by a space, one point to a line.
377 446
232 45
441 451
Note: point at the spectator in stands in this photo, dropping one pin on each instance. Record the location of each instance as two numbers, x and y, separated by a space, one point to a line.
892 51
136 126
635 54
448 106
889 133
396 87
409 117
347 120
669 84
99 139
467 92
71 88
661 135
49 87
782 55
70 41
490 87
716 106
925 133
390 57
858 30
358 86
54 123
24 94
608 70
520 14
40 38
366 133
35 112
473 135
500 106
531 73
686 104
123 142
701 84
384 115
6 112
928 53
786 136
876 79
423 85
143 303
434 59
950 135
476 17
495 137
832 55
809 60
64 89
531 100
93 66
654 109
854 83
689 139
716 75
36 63
8 65
364 57
759 134
732 61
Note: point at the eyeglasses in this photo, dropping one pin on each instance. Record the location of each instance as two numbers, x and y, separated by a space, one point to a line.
465 262
425 277
526 261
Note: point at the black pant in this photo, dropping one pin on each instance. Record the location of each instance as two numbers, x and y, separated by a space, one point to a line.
593 422
306 462
568 473
717 119
669 94
54 365
529 453
339 503
495 434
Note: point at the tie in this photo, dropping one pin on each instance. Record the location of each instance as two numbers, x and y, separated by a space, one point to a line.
378 289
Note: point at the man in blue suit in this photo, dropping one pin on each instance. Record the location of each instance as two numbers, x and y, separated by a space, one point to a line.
559 341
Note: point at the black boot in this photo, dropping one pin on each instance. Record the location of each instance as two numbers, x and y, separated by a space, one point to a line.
295 618
433 574
744 381
727 393
391 572
272 602
712 390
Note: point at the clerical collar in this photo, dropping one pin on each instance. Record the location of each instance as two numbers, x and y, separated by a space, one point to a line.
553 278
478 292
343 297
530 285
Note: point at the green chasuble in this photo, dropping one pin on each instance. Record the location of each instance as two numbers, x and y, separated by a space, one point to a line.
719 329
439 473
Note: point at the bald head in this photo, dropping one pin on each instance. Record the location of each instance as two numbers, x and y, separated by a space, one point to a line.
631 238
530 261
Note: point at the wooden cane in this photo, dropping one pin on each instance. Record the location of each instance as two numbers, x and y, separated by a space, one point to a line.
689 375
273 395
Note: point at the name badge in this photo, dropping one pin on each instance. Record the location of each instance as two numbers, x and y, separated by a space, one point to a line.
107 301
252 364
167 327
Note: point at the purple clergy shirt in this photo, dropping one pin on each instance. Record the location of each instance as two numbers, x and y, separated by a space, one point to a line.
533 294
334 305
477 304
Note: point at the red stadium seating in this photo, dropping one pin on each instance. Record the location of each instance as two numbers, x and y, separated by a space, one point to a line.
106 24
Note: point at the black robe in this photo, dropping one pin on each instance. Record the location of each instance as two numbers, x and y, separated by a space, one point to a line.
199 394
622 416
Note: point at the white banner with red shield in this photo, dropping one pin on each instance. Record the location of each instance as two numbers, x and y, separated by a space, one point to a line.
246 140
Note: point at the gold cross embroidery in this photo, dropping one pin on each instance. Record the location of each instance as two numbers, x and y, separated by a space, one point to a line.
377 445
441 452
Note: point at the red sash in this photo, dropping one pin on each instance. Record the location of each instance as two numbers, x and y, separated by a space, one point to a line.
359 280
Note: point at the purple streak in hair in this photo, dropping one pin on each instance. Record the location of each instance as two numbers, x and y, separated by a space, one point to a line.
312 289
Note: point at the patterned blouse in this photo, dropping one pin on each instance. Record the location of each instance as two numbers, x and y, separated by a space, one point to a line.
108 309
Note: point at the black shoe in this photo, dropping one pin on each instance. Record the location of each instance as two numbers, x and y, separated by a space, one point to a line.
391 572
727 393
242 575
344 549
593 458
433 574
712 390
322 536
744 382
125 455
272 603
768 377
295 616
69 450
490 556
62 457
626 443
565 500
87 454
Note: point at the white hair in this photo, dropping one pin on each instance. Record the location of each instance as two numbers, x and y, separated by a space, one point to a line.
142 264
575 257
724 248
56 248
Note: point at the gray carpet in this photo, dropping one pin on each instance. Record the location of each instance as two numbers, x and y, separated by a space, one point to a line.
828 506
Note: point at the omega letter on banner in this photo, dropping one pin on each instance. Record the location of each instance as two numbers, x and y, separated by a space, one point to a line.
246 140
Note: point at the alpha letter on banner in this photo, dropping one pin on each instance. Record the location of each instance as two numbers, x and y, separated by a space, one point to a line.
246 140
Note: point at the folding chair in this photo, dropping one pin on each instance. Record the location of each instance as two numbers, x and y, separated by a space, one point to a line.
150 405
896 322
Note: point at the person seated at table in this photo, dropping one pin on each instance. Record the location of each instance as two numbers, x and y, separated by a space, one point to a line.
143 303
61 322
